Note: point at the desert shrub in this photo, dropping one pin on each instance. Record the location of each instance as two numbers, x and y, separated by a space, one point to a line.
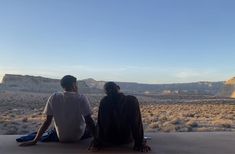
154 125
192 123
25 119
168 127
176 121
223 122
203 129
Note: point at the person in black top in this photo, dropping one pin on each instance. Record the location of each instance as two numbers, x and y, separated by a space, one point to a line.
119 120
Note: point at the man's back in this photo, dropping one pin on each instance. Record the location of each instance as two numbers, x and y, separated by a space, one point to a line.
68 110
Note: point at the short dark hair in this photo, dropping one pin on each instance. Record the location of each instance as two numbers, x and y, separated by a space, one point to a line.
67 82
111 88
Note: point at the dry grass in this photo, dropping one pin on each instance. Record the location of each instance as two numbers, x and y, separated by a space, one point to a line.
189 117
21 113
223 123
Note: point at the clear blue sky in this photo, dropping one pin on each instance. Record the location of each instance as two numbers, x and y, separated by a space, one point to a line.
150 41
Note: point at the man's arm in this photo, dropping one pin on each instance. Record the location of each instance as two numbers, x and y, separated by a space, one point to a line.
94 145
91 125
40 132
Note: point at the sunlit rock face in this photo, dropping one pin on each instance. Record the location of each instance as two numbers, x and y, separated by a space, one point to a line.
47 85
229 88
36 84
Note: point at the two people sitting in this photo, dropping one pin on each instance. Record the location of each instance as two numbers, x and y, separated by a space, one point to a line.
119 118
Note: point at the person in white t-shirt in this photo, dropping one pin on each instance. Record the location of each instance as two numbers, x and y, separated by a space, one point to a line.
71 113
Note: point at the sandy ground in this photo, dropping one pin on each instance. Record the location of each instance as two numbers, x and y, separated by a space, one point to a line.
161 143
20 113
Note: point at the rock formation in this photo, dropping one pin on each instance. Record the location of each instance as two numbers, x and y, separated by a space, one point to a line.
229 88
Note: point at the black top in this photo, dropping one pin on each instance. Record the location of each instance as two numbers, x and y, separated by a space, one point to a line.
119 120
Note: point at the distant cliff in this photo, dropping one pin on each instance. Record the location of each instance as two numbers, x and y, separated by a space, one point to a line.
196 88
47 85
229 88
35 84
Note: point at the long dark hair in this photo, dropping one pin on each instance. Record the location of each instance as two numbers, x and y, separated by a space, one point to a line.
111 88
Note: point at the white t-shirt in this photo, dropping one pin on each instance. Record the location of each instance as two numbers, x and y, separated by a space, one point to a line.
68 110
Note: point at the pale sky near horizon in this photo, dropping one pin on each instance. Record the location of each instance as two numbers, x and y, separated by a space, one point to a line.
147 41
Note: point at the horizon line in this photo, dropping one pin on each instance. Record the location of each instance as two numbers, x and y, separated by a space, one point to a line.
57 78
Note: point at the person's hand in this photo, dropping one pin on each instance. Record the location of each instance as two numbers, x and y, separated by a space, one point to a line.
94 146
29 143
143 148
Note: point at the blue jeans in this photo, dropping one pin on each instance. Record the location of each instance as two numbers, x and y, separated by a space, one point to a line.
50 136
